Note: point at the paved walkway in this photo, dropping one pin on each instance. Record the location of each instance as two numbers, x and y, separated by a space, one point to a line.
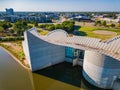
105 32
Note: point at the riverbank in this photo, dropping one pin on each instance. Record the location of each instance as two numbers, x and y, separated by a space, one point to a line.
16 52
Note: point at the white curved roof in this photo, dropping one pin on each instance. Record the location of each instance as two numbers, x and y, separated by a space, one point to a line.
60 37
58 34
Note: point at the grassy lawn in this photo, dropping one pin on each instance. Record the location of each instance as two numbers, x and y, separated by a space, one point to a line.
42 32
88 31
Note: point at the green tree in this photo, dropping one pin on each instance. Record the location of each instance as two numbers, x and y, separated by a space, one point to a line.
41 26
6 24
1 30
20 27
58 26
11 31
68 26
104 23
51 27
112 25
98 23
119 24
36 24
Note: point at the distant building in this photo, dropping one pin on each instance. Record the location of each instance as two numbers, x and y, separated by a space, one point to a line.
81 18
109 20
9 11
39 19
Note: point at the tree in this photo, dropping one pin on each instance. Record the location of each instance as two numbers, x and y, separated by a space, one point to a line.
36 24
11 31
68 26
119 24
58 26
42 26
51 27
104 23
6 25
1 30
20 27
111 15
24 23
98 23
112 25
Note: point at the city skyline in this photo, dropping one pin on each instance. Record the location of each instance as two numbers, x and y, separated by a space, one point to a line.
61 5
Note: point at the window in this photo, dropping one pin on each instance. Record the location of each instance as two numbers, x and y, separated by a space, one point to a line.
69 52
81 54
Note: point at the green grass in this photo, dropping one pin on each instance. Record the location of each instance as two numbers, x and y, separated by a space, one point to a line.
20 55
42 32
88 31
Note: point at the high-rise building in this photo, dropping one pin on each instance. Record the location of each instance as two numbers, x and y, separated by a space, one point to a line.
10 11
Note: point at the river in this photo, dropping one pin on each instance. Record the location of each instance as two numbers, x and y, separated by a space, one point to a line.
58 77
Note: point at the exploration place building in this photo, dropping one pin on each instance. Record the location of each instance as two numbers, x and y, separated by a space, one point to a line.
100 60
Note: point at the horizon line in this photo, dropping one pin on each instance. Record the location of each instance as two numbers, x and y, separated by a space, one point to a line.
63 11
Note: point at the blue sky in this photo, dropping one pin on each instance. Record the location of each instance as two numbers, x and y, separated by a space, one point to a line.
61 5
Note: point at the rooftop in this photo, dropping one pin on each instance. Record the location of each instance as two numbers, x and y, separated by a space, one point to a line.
60 37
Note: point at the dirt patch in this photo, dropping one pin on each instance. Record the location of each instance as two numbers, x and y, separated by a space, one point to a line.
110 33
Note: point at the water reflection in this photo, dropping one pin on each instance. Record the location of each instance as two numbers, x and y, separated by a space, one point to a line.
61 76
63 72
12 75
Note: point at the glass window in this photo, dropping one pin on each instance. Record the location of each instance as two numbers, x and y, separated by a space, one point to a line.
81 54
69 52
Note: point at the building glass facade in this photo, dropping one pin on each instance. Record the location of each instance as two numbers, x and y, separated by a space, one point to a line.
81 54
71 54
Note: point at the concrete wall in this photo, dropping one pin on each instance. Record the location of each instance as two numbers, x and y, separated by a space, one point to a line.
100 70
42 54
26 48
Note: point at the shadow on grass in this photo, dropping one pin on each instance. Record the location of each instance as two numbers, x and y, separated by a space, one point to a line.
77 27
78 32
81 33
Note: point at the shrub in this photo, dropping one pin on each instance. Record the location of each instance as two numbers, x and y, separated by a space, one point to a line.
11 38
